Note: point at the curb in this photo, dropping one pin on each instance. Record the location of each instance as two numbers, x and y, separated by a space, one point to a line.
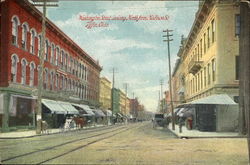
45 134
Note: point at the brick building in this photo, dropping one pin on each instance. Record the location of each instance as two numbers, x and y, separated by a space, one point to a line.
70 74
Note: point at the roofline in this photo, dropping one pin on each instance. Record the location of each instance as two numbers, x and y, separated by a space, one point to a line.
28 6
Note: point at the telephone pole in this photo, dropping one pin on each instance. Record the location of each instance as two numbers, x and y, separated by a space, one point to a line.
126 93
44 4
161 98
113 70
169 70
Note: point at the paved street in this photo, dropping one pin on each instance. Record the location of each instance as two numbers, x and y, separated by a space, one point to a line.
124 144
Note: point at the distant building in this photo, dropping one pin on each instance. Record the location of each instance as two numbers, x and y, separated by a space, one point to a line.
116 101
105 93
70 74
122 102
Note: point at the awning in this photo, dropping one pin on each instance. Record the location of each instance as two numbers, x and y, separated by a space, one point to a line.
68 108
54 106
86 109
220 99
99 113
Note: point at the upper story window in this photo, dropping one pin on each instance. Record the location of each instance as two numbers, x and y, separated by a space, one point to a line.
46 78
52 52
213 69
213 30
25 29
46 50
57 56
15 23
14 61
201 48
57 80
208 37
32 69
66 61
62 59
32 41
39 44
204 41
237 25
51 80
208 74
23 72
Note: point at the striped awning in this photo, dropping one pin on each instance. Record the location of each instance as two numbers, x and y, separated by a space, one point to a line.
54 106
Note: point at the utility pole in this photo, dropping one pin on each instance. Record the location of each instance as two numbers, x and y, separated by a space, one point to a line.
44 4
126 92
161 102
244 42
113 70
169 69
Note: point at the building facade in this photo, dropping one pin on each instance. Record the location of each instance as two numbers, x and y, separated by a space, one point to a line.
105 93
70 74
122 102
209 65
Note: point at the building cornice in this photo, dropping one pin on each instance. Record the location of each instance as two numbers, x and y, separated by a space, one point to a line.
49 24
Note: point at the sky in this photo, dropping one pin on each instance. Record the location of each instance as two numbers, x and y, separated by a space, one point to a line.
134 48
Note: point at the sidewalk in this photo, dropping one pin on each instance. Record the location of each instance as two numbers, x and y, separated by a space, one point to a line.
198 134
32 133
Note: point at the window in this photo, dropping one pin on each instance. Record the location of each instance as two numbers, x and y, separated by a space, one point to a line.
201 79
52 53
213 30
204 40
57 81
208 74
46 50
208 37
237 62
39 45
32 69
205 77
237 25
57 56
15 22
51 80
23 73
66 62
32 41
198 51
14 61
65 83
213 69
201 47
24 35
62 82
62 59
198 81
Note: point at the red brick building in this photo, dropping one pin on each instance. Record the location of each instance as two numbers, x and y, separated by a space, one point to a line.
70 74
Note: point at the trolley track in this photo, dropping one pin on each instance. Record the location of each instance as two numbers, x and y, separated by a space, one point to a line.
47 149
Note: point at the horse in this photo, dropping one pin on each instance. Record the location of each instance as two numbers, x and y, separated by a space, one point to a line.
80 122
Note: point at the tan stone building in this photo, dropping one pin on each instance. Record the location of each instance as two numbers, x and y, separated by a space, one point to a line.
105 93
209 55
208 66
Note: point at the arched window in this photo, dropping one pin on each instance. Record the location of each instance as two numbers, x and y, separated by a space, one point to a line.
23 73
52 53
15 22
66 61
25 29
39 44
46 50
57 56
52 81
57 81
32 41
14 61
62 59
65 83
32 69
